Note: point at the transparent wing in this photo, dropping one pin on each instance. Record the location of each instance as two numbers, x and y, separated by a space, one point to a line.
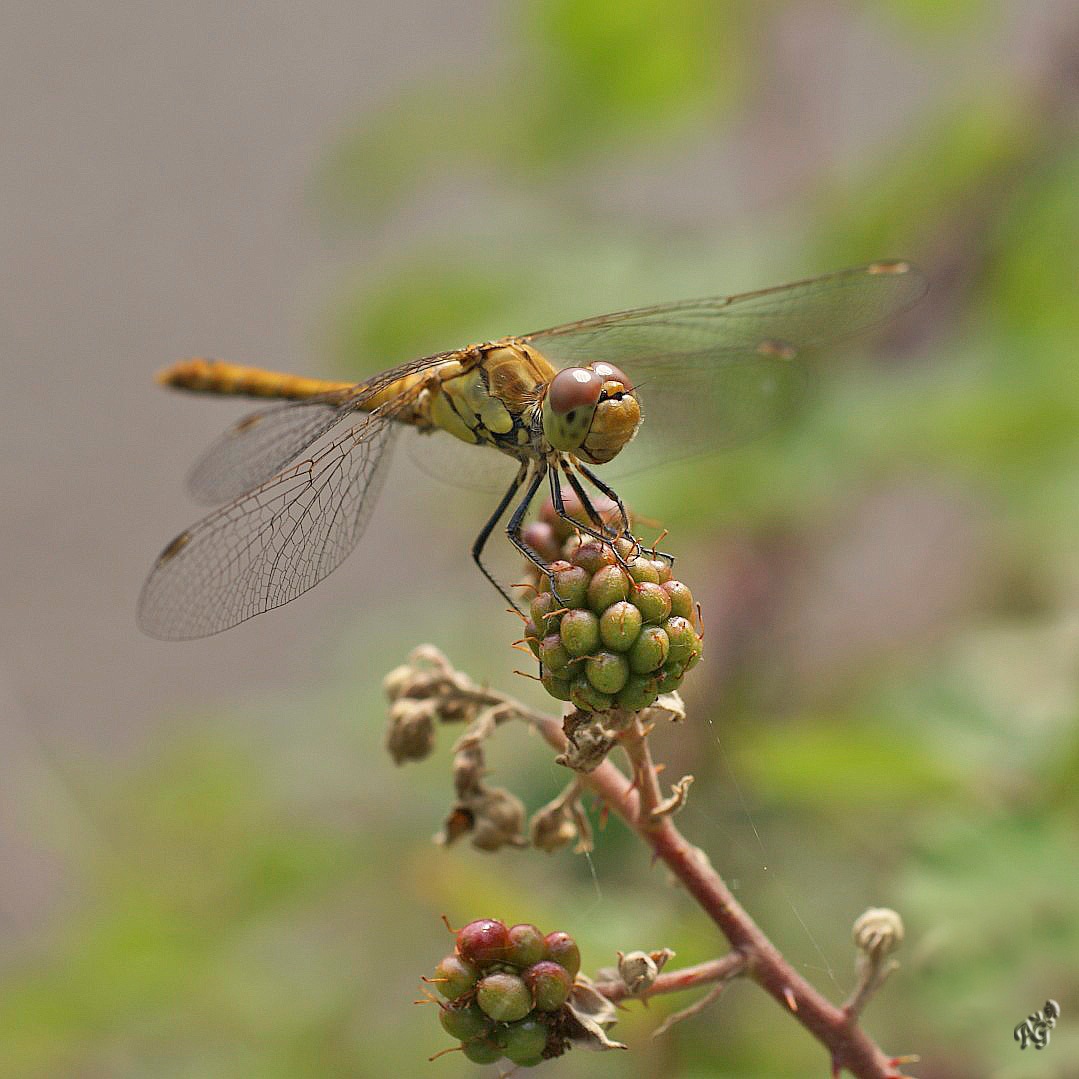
263 442
271 544
460 464
258 446
717 372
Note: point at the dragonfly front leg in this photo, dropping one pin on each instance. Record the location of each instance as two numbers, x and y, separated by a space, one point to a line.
612 494
488 528
601 532
586 503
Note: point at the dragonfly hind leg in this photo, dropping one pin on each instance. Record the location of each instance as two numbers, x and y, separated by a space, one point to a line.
488 528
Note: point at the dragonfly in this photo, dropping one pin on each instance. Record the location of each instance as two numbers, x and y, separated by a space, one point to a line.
295 483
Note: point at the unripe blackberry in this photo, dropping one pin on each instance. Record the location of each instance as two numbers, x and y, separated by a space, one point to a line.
591 556
542 538
553 654
464 1021
643 570
584 695
562 948
559 688
619 626
526 945
681 598
550 984
486 940
607 671
507 991
607 635
579 630
455 977
504 997
652 600
482 1051
609 584
570 584
523 1042
649 651
639 692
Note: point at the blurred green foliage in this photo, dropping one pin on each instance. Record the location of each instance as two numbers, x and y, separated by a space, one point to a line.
859 737
574 80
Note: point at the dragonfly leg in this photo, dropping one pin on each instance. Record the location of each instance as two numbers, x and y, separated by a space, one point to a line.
513 529
586 503
602 533
612 494
488 528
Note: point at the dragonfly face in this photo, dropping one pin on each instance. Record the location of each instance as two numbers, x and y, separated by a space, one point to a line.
591 411
295 483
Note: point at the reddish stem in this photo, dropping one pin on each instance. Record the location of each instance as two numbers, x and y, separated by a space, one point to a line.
675 981
850 1047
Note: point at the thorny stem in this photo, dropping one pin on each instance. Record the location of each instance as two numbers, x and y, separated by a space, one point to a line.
645 779
635 800
850 1047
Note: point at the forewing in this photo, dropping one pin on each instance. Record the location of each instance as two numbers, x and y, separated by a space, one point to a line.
717 372
268 546
263 442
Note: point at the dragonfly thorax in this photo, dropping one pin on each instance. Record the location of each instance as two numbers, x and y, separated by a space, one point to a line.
590 411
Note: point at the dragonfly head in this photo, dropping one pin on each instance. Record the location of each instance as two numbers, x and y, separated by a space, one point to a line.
591 411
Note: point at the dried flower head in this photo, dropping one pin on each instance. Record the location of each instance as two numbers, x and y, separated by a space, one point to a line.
410 735
639 970
878 932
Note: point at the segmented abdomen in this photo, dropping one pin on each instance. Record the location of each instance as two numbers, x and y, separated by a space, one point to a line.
199 375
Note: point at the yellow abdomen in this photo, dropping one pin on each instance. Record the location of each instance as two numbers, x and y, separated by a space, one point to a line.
218 377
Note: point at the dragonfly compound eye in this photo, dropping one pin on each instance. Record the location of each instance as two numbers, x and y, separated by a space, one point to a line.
569 406
609 373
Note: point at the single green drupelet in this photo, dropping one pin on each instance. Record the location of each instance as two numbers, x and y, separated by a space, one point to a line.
504 988
607 636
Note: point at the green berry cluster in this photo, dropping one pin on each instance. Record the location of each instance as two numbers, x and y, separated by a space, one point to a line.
505 988
617 630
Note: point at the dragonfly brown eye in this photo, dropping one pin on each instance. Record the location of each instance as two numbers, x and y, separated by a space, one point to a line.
574 387
609 373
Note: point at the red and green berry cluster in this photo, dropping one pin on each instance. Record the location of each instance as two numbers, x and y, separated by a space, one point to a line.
505 987
609 635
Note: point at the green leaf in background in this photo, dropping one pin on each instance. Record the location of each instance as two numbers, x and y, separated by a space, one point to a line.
577 80
843 768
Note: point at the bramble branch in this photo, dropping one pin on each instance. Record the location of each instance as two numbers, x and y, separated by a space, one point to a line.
638 800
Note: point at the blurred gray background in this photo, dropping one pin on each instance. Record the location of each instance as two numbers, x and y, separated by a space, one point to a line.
154 161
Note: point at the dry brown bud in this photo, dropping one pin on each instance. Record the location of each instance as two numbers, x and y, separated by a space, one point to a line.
639 970
396 683
498 820
878 931
552 826
410 735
